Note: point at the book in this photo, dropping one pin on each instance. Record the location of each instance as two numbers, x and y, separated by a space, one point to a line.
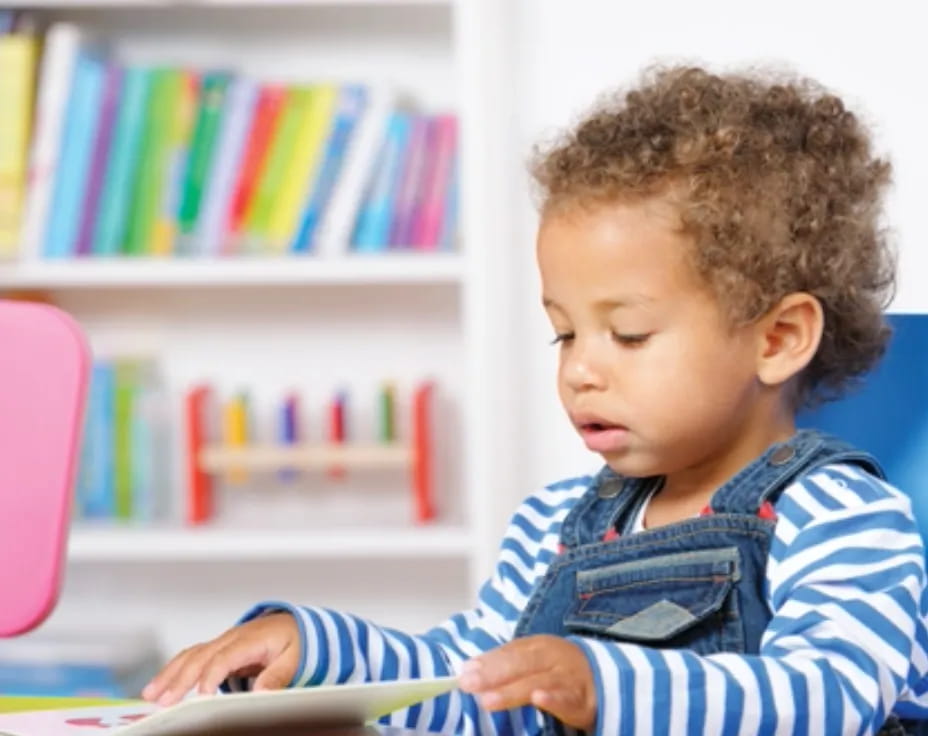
18 56
266 712
372 231
101 148
213 89
110 227
409 187
82 117
230 152
338 221
351 102
306 156
427 230
62 44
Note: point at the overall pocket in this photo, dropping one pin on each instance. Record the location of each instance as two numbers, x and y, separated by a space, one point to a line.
679 600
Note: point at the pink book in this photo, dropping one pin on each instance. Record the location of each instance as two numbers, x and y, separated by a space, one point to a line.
427 226
101 149
414 167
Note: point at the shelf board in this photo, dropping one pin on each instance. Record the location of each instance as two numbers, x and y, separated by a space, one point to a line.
394 268
141 544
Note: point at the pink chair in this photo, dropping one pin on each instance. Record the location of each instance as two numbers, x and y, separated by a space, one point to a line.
44 371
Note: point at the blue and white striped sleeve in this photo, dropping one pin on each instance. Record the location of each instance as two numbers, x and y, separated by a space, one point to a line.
339 647
845 646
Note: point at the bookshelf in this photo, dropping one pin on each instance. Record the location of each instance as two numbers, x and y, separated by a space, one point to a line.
315 323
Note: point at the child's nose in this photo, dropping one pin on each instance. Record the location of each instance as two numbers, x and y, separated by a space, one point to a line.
582 370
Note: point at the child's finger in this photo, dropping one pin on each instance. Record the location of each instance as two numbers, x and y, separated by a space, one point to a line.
187 676
568 704
154 689
508 663
231 658
515 694
279 673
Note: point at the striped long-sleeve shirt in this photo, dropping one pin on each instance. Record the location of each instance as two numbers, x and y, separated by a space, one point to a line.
846 643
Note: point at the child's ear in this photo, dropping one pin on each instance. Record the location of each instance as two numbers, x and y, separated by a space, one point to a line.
789 336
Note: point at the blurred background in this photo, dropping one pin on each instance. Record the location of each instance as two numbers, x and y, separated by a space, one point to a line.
299 234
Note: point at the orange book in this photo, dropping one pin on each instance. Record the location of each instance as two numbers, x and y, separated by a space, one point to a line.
263 128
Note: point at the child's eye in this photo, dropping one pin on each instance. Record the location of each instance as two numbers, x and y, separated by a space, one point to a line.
631 340
562 337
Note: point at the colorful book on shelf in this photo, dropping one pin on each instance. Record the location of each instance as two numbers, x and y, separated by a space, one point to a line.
349 108
306 156
427 230
125 392
82 117
338 221
123 162
263 128
258 217
180 130
18 59
449 224
102 146
372 232
294 710
61 47
410 183
237 117
95 489
213 88
151 173
198 431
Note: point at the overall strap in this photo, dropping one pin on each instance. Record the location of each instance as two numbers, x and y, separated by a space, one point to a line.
605 500
762 481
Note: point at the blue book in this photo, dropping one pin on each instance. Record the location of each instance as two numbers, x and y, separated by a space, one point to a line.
372 231
450 224
96 498
351 103
83 114
123 160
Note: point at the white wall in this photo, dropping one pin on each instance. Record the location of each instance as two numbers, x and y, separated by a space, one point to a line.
873 55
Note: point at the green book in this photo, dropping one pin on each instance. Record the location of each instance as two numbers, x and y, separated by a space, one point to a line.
124 395
152 169
278 159
213 88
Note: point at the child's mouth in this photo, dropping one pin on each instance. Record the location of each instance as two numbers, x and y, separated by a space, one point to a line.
600 437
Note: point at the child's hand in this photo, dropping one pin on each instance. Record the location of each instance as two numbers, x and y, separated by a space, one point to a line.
268 647
548 672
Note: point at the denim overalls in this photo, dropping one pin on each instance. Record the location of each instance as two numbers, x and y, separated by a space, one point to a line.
697 584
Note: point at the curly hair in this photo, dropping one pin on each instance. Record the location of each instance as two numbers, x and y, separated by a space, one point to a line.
775 182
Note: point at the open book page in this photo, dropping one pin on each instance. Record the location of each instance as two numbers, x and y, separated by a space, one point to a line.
277 712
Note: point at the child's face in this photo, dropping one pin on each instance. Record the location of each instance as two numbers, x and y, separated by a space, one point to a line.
651 374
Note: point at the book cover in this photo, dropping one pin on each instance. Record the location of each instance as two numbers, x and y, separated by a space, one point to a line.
257 219
303 170
82 118
428 228
372 232
410 182
151 173
350 107
213 88
56 71
230 153
18 58
125 391
112 86
95 491
262 131
266 712
177 149
121 167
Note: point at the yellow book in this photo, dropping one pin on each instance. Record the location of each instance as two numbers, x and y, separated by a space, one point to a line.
306 156
18 59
